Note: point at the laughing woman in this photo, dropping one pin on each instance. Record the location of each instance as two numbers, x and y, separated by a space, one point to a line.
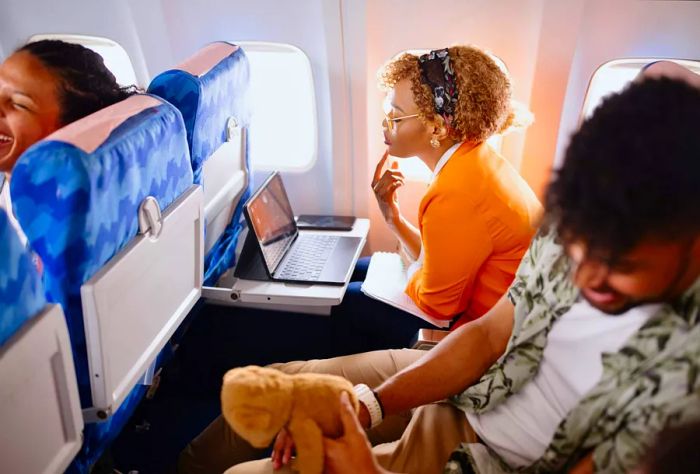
44 86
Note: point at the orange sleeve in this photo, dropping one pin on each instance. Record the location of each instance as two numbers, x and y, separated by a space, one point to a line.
456 243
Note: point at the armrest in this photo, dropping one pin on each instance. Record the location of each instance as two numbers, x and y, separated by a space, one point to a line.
426 338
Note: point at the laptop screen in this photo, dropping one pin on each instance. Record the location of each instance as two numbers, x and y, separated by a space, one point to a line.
272 219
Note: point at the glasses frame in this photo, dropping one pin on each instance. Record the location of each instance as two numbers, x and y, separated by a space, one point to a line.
392 123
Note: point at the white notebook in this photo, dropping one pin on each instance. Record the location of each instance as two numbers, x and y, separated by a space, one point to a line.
386 281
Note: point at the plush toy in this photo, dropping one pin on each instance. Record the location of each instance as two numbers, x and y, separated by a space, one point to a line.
258 402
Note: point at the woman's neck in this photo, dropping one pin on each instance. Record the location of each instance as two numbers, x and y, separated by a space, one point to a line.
431 155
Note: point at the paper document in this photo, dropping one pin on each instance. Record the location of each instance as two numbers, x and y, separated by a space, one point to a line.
386 281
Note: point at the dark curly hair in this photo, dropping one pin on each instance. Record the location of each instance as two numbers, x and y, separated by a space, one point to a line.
675 450
632 171
86 85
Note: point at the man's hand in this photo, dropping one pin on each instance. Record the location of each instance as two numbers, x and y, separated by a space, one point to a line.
363 416
351 453
282 449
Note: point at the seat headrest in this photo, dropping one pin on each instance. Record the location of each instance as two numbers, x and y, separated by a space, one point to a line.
76 195
21 293
208 89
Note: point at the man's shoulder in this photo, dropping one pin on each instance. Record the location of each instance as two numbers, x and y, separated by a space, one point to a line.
543 276
544 251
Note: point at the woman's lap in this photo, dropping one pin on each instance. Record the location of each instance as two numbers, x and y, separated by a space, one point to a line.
362 324
360 271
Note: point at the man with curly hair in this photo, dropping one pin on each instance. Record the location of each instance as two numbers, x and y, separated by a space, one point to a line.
593 350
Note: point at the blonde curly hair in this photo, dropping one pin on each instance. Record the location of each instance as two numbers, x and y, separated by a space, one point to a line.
484 105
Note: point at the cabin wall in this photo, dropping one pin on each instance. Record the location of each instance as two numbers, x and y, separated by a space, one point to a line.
621 29
159 34
354 45
509 29
315 27
550 47
154 36
557 44
578 36
112 19
346 42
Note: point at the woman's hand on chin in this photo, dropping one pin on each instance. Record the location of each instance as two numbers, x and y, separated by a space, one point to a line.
385 186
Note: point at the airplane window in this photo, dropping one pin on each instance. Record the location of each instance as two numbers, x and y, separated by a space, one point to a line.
283 132
115 57
413 168
613 76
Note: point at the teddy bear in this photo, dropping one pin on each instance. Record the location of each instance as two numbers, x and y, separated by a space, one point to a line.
257 402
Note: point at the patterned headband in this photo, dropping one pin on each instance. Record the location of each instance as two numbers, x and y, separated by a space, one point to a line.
437 73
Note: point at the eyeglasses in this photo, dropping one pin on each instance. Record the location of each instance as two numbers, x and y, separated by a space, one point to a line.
392 123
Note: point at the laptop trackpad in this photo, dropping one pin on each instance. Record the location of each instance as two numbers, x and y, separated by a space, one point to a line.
339 266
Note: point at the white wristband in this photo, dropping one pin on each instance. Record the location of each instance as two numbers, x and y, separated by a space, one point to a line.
366 396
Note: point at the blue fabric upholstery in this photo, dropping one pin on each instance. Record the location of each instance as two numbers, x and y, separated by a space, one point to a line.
21 293
222 255
206 102
79 209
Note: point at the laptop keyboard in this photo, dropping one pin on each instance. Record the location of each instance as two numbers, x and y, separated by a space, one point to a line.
308 257
273 252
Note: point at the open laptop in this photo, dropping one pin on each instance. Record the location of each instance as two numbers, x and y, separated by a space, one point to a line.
286 254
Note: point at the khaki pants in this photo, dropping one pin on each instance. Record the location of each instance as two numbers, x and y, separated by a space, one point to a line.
413 443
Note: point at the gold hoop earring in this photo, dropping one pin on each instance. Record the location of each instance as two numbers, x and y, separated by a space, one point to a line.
434 142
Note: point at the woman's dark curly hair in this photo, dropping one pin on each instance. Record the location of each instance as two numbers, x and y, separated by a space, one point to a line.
632 171
85 84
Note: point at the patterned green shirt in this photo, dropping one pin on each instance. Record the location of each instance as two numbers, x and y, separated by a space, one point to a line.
651 382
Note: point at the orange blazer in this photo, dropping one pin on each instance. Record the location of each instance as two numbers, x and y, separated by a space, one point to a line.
476 221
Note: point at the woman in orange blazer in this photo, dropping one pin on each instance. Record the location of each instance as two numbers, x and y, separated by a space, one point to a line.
477 216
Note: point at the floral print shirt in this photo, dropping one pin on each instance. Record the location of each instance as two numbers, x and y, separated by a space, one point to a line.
651 382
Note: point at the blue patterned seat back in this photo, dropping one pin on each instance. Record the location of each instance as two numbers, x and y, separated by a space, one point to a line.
208 88
76 195
21 293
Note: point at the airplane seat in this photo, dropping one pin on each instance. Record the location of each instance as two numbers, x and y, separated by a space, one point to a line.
39 404
109 205
210 90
